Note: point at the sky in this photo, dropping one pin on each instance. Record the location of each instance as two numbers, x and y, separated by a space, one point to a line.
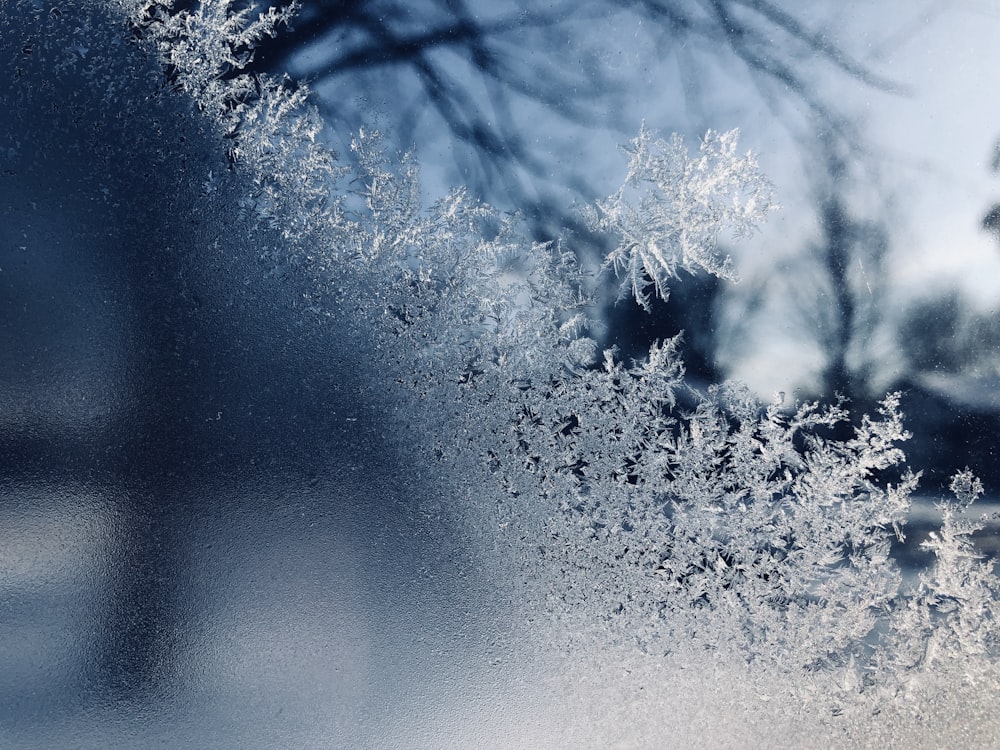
935 141
937 136
945 134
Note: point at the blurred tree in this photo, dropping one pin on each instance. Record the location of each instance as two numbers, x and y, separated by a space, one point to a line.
503 92
942 334
991 221
477 80
831 294
472 83
485 76
851 263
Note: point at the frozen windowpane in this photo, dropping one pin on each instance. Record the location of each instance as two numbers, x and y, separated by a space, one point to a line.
409 410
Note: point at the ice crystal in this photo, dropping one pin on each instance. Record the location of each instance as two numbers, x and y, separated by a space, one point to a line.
673 208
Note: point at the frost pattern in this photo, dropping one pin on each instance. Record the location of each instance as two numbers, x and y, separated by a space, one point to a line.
671 210
951 623
267 124
723 526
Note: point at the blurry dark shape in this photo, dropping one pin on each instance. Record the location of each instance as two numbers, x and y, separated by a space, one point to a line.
690 311
951 381
942 334
991 222
930 335
956 419
851 255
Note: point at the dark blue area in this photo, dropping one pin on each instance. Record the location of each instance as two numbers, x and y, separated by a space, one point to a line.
173 400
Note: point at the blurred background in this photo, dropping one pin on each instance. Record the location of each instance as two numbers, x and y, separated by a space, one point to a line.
877 122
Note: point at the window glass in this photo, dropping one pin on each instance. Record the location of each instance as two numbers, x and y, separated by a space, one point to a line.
509 374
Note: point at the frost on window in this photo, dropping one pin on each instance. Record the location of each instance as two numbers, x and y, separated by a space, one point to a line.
684 204
372 481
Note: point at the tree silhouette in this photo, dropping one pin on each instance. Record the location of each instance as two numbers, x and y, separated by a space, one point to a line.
482 73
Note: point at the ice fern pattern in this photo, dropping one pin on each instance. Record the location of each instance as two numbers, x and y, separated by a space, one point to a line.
951 622
266 123
673 208
670 519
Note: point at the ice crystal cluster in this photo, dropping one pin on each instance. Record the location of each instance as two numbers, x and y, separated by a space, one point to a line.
676 206
633 519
